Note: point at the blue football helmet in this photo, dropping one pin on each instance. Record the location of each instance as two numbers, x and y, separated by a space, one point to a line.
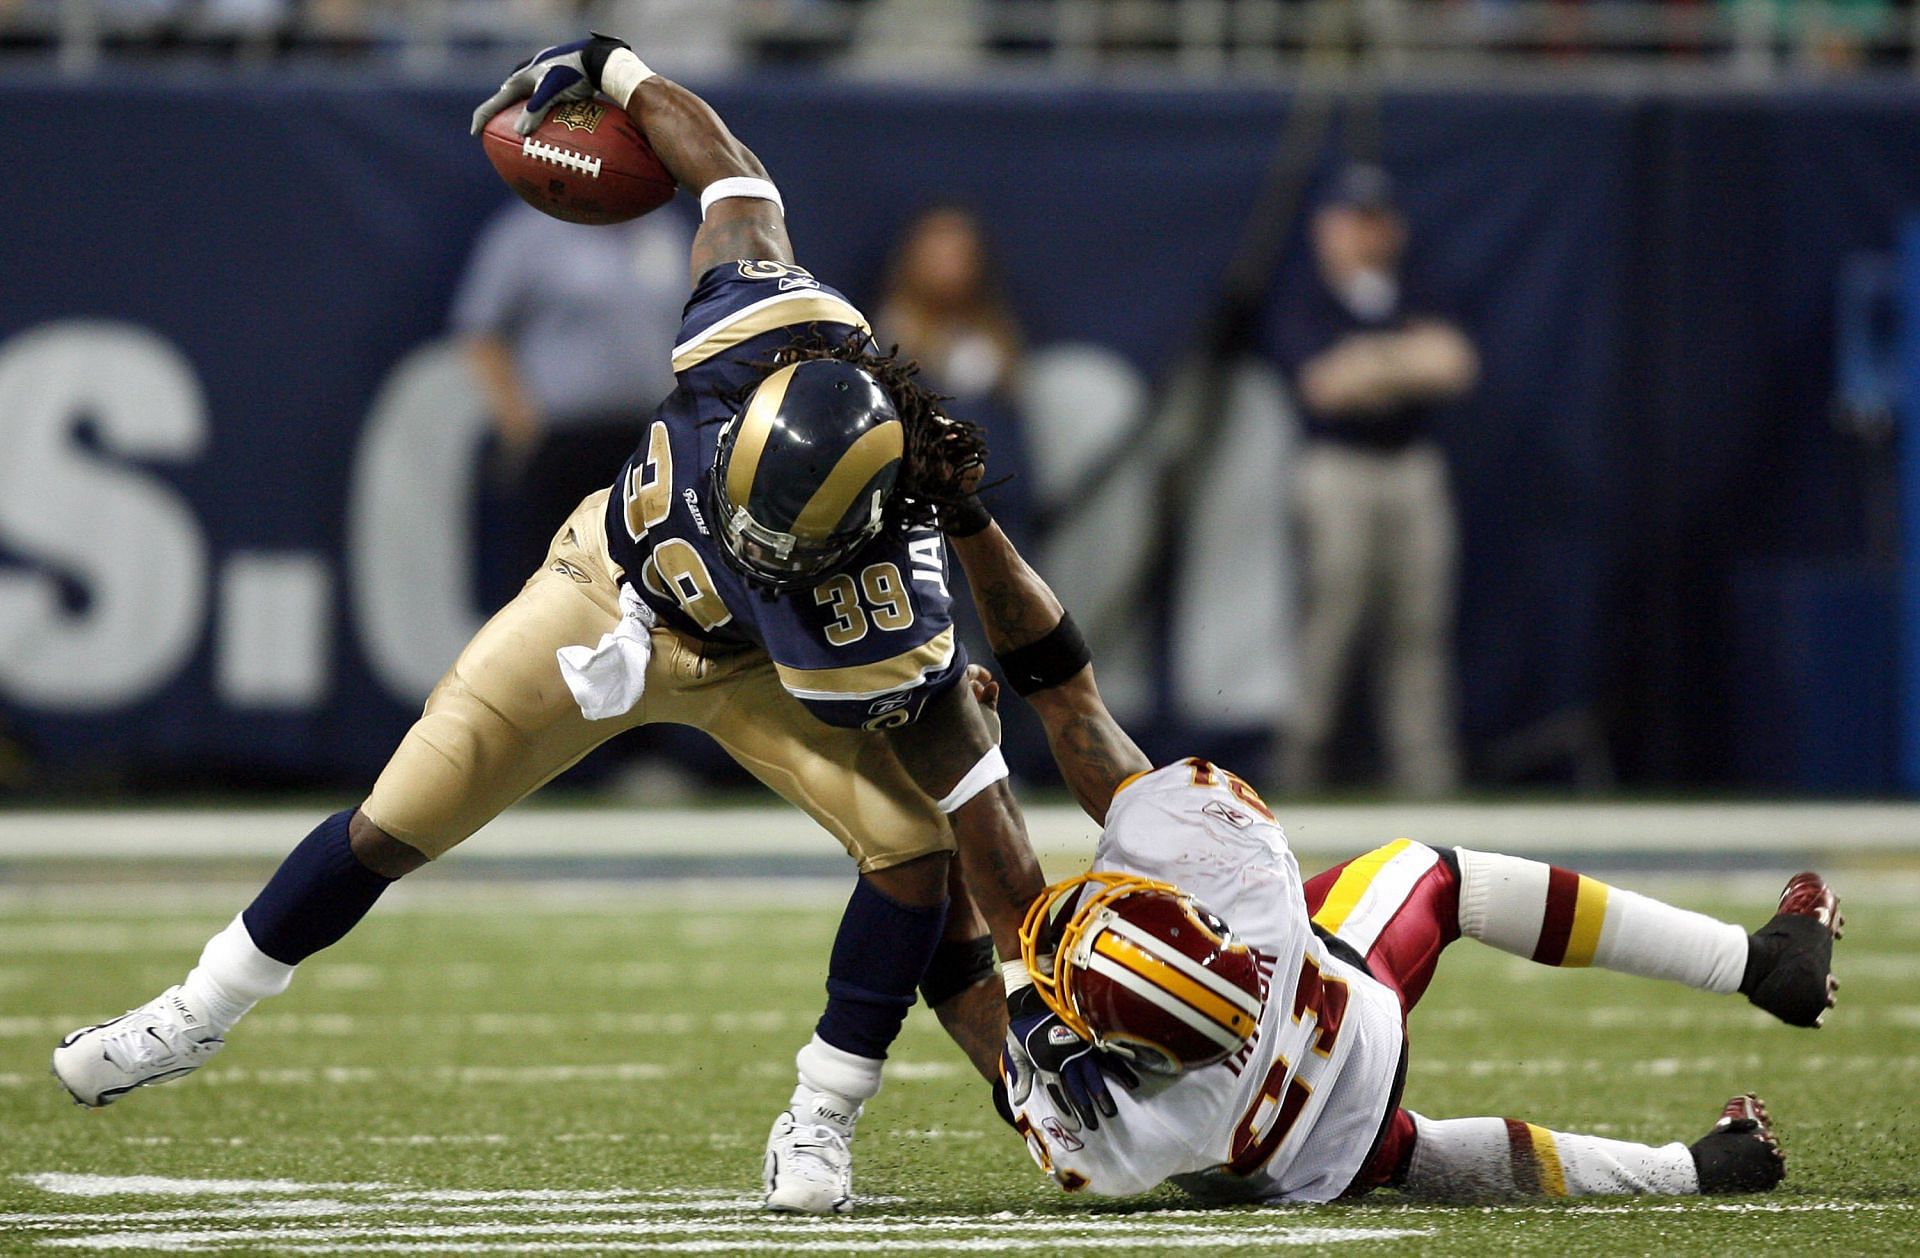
803 473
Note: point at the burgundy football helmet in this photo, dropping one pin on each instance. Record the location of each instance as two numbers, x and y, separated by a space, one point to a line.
1140 968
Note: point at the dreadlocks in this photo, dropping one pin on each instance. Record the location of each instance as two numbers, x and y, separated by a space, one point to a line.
943 456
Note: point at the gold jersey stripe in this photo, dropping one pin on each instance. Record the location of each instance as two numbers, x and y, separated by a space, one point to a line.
877 447
1553 1176
755 425
870 681
779 311
1353 883
1589 915
1156 971
1130 779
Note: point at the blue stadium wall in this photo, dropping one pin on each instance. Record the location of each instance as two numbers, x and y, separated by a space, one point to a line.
219 382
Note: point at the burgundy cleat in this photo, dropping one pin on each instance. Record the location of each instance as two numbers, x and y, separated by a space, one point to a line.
1740 1154
1789 960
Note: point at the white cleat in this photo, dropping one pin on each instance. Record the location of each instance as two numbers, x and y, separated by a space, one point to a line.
161 1040
809 1168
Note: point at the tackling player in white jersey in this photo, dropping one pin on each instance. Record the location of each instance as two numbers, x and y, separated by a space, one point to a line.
1258 1020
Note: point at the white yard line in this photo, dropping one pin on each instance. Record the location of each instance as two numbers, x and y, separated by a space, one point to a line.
68 1185
694 1221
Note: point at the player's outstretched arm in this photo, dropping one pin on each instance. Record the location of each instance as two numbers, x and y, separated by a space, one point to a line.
745 221
1044 657
698 151
938 751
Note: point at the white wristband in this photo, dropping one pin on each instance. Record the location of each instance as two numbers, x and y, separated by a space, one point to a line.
1014 976
992 768
623 74
740 186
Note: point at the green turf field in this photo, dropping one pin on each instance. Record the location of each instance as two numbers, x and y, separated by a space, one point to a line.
492 1070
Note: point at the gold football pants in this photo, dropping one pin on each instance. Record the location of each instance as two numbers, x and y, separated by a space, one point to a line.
501 723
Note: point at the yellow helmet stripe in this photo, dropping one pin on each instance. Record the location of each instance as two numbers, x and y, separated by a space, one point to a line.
877 447
1161 975
1101 886
1147 990
1184 963
750 442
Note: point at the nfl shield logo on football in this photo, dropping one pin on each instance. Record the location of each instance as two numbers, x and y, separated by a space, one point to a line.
580 115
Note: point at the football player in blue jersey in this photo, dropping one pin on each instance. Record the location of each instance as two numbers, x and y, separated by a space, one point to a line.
766 567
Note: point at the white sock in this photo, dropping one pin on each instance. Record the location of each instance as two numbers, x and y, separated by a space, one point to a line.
1469 1159
233 976
834 1084
1558 917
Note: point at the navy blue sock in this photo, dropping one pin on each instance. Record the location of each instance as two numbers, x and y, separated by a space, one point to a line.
878 958
316 896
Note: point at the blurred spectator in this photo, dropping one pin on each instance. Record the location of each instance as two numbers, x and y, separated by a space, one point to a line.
1368 364
942 304
565 324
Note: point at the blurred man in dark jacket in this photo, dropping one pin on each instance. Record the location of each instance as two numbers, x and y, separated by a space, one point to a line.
1369 363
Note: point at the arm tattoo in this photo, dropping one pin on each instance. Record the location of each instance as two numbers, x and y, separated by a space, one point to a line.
761 237
1004 607
1089 741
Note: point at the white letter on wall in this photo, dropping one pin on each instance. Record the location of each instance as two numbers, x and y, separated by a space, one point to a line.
409 519
126 539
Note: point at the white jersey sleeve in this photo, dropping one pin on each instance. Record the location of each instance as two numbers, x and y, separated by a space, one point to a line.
1294 1114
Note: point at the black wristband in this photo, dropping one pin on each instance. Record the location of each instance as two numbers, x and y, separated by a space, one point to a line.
956 965
1047 662
965 518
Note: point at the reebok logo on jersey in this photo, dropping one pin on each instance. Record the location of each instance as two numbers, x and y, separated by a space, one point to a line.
1057 1133
1228 813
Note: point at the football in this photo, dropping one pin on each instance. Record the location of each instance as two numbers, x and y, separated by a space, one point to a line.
587 163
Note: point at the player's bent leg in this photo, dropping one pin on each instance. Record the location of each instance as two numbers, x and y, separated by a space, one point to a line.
891 925
850 782
1557 917
1397 906
498 725
1480 1159
316 896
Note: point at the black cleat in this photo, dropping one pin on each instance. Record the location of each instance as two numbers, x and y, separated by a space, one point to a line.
1790 958
1740 1154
